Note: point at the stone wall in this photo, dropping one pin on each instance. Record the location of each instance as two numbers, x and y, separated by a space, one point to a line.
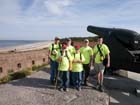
15 61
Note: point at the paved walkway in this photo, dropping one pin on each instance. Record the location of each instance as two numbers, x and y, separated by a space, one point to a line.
122 90
36 90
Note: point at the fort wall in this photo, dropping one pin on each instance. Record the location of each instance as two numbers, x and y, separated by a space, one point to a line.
16 61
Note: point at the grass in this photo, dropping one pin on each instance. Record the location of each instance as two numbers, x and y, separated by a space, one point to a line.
37 68
21 74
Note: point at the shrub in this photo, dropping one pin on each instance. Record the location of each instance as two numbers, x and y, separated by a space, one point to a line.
37 68
20 74
17 75
5 79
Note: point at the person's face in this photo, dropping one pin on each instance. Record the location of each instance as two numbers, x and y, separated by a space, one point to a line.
86 42
77 50
100 40
57 41
63 49
69 42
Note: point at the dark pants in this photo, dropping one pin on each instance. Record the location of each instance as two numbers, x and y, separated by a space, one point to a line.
53 70
77 79
64 78
86 72
70 78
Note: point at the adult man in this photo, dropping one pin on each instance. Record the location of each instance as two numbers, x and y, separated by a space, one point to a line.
86 50
100 52
54 51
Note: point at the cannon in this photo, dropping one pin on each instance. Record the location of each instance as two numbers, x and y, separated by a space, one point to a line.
124 45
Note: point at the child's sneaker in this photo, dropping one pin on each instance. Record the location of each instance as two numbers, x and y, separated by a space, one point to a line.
66 89
61 89
79 88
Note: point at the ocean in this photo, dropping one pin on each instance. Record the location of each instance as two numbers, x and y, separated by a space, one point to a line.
11 43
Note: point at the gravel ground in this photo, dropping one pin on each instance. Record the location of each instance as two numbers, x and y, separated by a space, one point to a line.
36 90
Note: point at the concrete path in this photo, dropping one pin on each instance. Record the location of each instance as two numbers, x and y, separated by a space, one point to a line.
36 90
122 90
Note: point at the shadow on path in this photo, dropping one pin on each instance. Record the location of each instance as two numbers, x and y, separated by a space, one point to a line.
36 80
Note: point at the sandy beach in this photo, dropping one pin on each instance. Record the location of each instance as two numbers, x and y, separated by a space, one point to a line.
27 47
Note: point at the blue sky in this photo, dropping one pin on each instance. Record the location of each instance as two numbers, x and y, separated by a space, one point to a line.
45 19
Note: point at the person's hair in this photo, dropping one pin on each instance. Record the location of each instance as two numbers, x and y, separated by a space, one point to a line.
68 39
57 38
99 37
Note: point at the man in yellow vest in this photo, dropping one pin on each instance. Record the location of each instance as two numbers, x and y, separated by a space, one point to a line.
86 50
100 52
54 51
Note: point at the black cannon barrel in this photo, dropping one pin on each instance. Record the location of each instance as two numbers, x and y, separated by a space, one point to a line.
101 31
128 38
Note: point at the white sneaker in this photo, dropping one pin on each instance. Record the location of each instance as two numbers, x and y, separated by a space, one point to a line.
66 89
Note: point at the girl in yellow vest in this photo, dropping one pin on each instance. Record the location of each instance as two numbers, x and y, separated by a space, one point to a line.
64 64
77 68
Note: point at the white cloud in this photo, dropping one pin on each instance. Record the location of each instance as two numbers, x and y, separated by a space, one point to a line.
57 7
65 17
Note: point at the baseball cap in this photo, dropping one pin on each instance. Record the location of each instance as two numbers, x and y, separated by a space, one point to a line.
86 40
77 47
64 46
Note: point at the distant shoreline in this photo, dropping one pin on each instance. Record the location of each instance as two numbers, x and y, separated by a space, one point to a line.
13 43
26 47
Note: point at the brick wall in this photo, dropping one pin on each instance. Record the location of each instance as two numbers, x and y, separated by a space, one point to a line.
15 61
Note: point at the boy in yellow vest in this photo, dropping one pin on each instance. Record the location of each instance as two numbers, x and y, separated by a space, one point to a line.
71 50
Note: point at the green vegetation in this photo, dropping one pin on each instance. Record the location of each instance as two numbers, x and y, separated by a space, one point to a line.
21 74
79 39
37 68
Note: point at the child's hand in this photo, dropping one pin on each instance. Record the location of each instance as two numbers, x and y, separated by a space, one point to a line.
79 61
60 59
74 61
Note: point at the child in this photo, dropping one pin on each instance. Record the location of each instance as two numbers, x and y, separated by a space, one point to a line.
77 68
63 68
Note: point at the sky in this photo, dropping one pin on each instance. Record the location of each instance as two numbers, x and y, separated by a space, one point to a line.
45 19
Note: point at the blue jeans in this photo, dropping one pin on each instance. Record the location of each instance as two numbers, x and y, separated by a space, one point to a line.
77 79
64 78
53 70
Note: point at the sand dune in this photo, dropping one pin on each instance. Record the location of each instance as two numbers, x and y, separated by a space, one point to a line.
34 46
